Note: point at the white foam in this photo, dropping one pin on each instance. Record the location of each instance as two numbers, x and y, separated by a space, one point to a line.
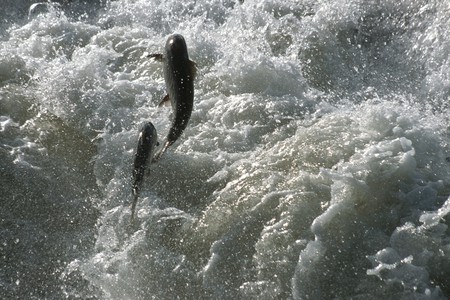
314 164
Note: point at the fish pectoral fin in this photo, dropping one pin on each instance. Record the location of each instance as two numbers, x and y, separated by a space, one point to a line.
156 56
165 101
193 67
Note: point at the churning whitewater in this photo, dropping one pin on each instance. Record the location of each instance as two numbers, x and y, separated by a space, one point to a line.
315 164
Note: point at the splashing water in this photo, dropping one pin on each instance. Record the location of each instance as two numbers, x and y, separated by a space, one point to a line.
314 166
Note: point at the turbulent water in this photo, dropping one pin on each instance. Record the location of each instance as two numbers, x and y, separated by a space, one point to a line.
316 164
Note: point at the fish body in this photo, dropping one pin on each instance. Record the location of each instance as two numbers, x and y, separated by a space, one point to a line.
179 73
148 140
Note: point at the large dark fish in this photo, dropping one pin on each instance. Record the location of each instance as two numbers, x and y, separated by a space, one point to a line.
148 140
179 73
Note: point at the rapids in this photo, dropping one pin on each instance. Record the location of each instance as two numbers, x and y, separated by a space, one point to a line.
315 164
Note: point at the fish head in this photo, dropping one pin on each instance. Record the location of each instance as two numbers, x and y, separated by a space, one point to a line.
176 46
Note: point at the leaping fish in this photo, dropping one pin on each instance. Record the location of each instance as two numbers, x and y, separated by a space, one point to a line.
148 140
179 74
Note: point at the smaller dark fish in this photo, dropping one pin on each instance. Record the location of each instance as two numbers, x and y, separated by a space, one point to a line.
148 140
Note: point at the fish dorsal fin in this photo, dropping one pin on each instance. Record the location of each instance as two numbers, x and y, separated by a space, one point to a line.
193 67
